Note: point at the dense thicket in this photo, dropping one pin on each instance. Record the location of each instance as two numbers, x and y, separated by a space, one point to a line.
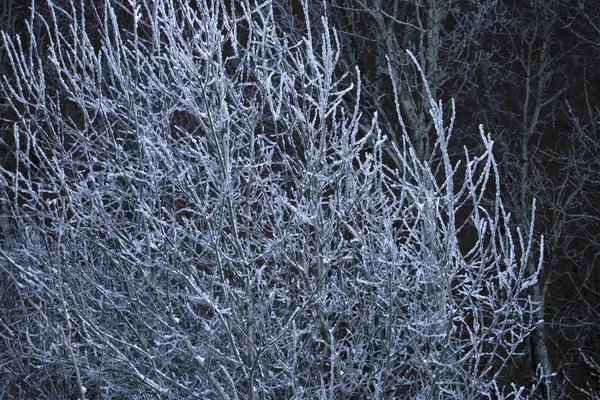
261 199
527 70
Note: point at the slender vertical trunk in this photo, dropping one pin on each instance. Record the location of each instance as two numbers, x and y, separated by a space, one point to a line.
535 84
539 348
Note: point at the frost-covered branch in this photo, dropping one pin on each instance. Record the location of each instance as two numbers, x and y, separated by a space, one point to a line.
198 214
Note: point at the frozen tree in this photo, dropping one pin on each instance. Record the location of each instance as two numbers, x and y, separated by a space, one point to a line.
526 70
193 208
